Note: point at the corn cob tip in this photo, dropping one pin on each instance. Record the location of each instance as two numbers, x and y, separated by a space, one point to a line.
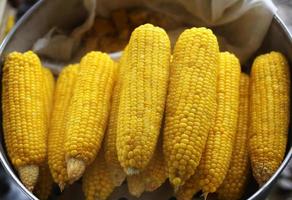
62 186
136 185
205 195
29 175
150 187
132 171
75 169
137 194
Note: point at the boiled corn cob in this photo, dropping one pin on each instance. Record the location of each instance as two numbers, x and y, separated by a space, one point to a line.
111 156
45 183
136 184
49 86
235 181
63 94
143 97
24 115
97 182
216 157
269 114
88 112
191 102
155 173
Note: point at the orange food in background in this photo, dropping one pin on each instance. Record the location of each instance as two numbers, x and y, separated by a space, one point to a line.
112 34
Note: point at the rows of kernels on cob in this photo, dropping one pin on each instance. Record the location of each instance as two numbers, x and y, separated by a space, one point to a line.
269 114
238 172
62 97
191 102
187 117
88 112
142 97
24 117
45 181
215 160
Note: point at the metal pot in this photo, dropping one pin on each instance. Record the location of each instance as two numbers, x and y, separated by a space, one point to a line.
48 14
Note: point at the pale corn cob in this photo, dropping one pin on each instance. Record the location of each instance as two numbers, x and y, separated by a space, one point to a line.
62 96
111 157
142 98
155 173
97 182
45 183
88 112
269 114
136 184
217 155
23 114
191 102
235 181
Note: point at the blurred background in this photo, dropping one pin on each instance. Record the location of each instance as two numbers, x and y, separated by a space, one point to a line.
12 10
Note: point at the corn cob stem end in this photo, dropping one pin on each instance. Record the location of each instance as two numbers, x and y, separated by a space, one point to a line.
75 169
29 175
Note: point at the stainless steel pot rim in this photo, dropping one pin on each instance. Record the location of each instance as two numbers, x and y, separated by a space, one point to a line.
6 164
19 22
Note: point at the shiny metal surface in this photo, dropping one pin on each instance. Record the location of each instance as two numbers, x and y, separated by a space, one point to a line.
53 13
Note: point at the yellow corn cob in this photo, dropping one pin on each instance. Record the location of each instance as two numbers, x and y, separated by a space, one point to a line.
136 184
111 156
155 173
142 98
269 114
88 112
235 181
191 102
45 183
97 182
49 86
56 154
23 114
216 158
